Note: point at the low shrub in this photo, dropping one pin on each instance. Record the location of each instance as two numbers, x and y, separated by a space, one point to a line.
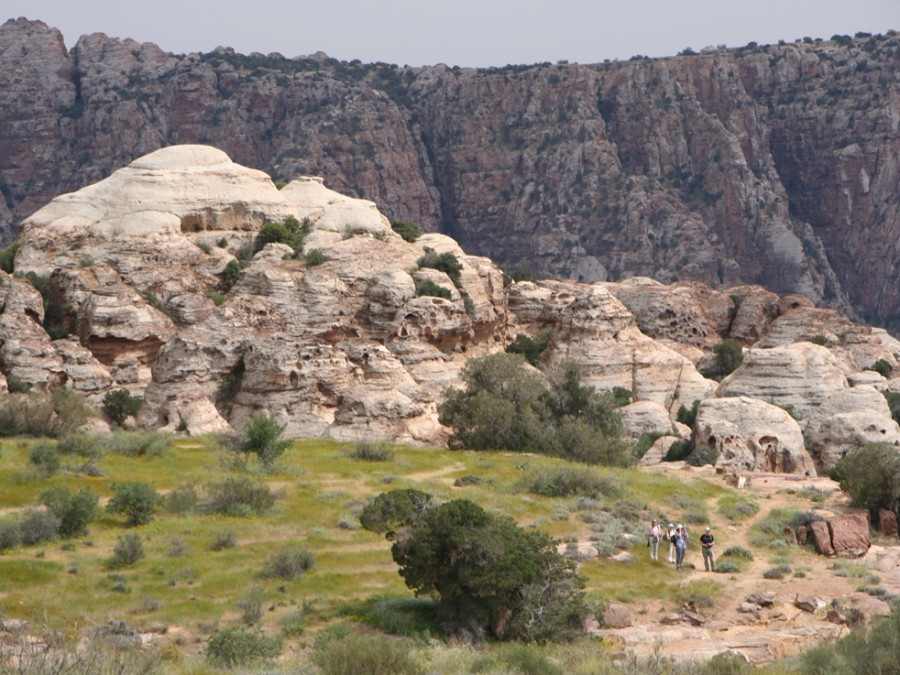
445 262
44 457
406 229
678 451
463 481
10 533
529 347
370 451
234 647
427 287
409 617
738 552
223 540
138 443
314 257
74 511
47 415
293 623
570 482
288 563
81 444
737 507
523 659
136 500
364 654
128 550
262 437
38 526
240 496
777 572
251 605
182 500
727 567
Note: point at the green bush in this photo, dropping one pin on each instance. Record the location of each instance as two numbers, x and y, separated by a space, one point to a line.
777 572
406 229
507 406
8 258
240 496
445 262
521 659
44 457
16 385
120 404
38 526
232 273
679 450
182 500
365 654
570 482
236 647
727 567
223 540
730 354
81 444
688 416
289 231
49 415
429 288
871 476
74 511
736 507
128 550
370 451
136 500
261 436
10 533
738 552
314 257
882 367
138 443
529 347
288 563
251 605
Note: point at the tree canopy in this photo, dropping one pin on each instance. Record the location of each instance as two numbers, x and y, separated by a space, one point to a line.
487 572
508 405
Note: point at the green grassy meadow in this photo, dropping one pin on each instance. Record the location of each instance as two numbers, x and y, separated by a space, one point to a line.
182 591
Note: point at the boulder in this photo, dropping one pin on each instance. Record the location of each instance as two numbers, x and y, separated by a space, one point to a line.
821 536
887 522
617 616
864 607
762 599
809 603
850 533
748 434
798 376
645 417
657 451
846 421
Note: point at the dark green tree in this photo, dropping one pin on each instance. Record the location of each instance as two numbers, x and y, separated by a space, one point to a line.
730 354
406 229
489 574
392 510
120 404
136 500
529 347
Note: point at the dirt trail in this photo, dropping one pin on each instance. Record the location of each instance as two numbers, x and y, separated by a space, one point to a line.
773 632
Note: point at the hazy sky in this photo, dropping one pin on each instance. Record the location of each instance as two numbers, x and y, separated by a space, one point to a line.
459 32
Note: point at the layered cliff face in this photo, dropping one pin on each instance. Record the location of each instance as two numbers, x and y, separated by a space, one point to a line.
157 282
774 165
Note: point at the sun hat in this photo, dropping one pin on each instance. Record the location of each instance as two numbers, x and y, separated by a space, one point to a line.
680 526
671 525
707 529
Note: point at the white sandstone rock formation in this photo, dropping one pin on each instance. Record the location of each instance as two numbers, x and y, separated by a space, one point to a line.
747 434
846 421
799 376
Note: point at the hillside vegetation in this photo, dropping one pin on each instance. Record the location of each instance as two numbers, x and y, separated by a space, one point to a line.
293 583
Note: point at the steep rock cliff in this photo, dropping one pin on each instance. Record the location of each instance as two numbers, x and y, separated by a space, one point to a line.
774 165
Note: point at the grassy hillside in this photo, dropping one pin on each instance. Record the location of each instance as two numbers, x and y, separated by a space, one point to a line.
183 590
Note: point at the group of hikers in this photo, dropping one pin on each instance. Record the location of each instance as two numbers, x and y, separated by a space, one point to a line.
677 537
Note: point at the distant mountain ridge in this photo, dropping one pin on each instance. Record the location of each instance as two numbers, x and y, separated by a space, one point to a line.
773 165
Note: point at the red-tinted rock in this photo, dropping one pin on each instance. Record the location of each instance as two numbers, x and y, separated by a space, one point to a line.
821 537
887 522
850 533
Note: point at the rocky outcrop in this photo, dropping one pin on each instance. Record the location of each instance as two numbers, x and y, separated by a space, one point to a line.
799 376
764 164
158 277
846 421
747 434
